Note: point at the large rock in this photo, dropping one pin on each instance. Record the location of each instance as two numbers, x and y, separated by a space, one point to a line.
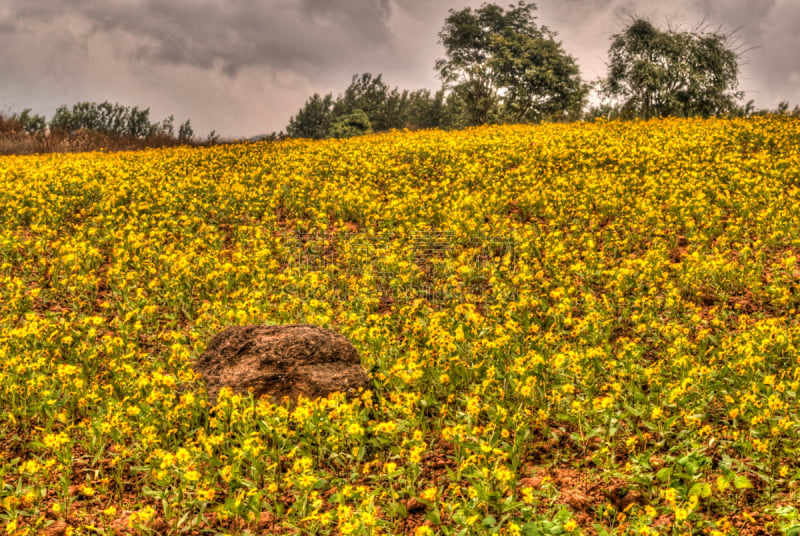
278 361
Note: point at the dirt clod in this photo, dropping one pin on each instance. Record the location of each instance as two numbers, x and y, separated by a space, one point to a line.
58 528
278 361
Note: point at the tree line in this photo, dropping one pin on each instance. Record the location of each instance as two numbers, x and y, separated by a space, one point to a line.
87 126
500 66
104 117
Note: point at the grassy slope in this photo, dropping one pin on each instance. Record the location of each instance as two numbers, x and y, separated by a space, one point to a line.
570 328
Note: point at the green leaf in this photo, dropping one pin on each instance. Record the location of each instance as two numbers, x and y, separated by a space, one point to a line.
530 529
601 531
563 515
636 412
700 489
742 482
489 521
552 527
148 492
664 474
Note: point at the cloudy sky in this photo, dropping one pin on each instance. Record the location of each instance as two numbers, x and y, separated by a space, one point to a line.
243 67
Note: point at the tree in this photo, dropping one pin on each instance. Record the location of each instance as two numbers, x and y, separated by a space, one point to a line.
107 118
370 95
32 123
423 110
185 132
312 120
541 81
355 123
655 73
385 108
502 66
167 126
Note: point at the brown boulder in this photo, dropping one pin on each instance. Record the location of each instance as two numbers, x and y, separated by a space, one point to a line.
278 361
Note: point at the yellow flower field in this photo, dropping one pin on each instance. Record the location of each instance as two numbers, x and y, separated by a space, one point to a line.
571 329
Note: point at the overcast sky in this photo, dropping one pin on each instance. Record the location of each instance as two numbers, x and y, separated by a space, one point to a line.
243 67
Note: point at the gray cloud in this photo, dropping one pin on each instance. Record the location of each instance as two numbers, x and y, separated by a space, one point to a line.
228 35
243 66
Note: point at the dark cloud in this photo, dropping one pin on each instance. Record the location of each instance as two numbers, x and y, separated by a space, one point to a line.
244 66
230 35
767 34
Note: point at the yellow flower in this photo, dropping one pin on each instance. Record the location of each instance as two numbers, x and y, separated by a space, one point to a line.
226 473
307 480
415 456
429 494
385 427
503 474
206 494
528 494
182 456
142 516
192 475
355 429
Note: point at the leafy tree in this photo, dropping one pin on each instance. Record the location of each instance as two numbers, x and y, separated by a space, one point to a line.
185 132
385 108
502 66
355 123
31 123
312 120
655 73
139 124
423 110
783 109
370 95
749 110
389 108
167 126
107 118
395 110
541 80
